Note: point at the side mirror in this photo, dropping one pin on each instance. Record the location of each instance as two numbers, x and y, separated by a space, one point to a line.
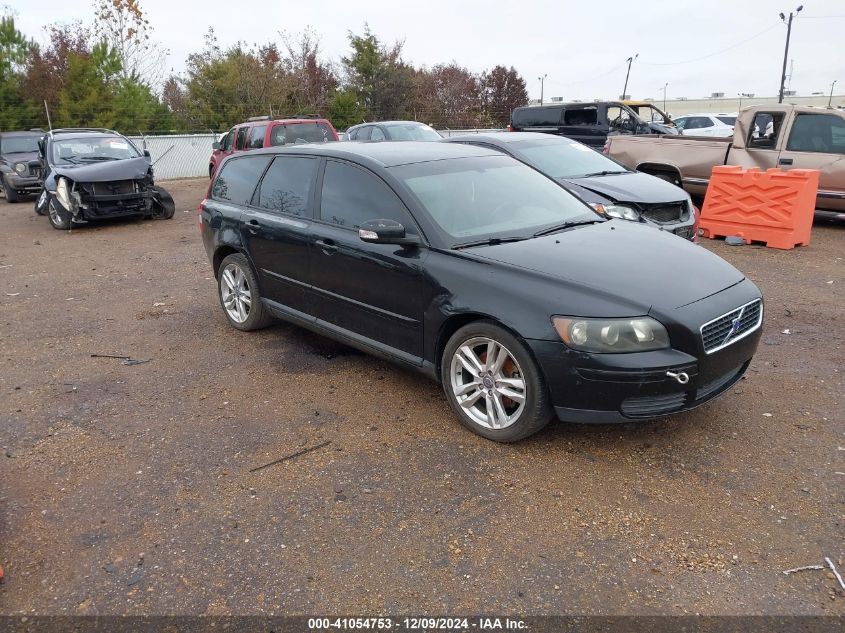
385 232
215 145
147 153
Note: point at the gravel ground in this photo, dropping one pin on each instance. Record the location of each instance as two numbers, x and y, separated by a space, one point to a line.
130 489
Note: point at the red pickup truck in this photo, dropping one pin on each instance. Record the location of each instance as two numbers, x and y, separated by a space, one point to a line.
260 131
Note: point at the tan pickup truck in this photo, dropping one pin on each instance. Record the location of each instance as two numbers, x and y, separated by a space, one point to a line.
789 137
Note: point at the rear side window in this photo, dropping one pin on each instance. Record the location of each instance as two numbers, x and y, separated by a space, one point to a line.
256 138
286 186
537 116
363 133
236 181
823 133
351 196
292 133
580 116
727 120
377 134
241 141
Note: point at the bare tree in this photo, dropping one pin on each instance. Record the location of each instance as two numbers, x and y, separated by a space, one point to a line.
126 29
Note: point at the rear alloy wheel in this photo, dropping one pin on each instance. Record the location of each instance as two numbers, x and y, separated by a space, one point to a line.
239 295
493 383
59 218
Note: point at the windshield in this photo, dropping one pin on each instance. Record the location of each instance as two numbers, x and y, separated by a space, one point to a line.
559 158
82 150
490 197
293 133
12 144
412 132
727 120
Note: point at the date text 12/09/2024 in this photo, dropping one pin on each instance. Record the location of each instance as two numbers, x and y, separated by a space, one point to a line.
417 624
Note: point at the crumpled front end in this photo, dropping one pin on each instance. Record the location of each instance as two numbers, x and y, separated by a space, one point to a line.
111 199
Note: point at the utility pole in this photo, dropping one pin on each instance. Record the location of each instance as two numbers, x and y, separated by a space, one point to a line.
625 89
542 85
664 95
786 49
830 98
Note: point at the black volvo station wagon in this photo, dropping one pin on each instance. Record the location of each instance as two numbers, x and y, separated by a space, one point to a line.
483 274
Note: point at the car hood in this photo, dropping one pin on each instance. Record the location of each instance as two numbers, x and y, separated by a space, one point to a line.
637 264
629 187
19 157
127 169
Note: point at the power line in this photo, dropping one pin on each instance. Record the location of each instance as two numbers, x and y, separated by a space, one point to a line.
719 52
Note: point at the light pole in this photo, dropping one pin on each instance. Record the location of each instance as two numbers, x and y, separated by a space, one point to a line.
664 95
786 49
628 74
740 95
542 85
830 98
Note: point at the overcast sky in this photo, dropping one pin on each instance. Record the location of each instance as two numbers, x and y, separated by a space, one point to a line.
581 46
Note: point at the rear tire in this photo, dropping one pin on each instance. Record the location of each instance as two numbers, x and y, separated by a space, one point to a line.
59 218
237 290
11 195
504 398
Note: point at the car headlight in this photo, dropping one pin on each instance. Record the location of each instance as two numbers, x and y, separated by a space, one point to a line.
63 193
621 211
20 168
608 336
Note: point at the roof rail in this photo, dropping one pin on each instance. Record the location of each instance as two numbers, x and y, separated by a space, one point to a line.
83 129
300 115
263 117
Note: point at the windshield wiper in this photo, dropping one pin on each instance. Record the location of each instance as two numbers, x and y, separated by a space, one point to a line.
603 173
490 241
565 225
99 158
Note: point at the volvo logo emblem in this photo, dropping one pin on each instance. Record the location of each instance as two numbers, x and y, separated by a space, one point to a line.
735 326
488 383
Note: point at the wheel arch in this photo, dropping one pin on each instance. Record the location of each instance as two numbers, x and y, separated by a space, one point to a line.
222 253
654 169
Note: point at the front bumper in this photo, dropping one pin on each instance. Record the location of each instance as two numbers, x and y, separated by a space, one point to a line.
24 184
608 388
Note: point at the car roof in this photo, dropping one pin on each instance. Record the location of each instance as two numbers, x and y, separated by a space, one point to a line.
507 138
382 154
680 116
71 134
389 123
268 121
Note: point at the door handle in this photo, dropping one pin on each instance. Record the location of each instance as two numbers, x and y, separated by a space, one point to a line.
785 161
253 226
327 246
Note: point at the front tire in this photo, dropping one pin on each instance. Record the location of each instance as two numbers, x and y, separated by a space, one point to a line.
493 384
11 195
59 218
237 290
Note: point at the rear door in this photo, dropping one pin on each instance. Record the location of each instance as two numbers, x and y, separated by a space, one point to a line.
372 290
817 141
584 124
277 227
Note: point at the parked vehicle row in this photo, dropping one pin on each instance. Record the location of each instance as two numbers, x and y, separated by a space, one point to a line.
479 271
18 177
784 136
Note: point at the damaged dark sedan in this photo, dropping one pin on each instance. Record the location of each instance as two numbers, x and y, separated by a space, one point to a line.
97 174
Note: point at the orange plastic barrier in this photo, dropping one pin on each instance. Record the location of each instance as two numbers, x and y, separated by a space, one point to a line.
774 206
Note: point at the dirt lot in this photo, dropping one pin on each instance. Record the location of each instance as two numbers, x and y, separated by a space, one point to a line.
128 489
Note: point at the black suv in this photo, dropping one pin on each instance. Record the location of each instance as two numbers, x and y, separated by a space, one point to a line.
94 174
17 176
480 272
589 123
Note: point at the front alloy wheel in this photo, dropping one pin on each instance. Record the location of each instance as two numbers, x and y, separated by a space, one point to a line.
239 294
493 383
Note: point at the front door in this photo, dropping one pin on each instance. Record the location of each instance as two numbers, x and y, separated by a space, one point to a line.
763 142
373 291
277 227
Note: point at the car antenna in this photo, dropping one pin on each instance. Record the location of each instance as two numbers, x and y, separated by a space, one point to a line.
49 125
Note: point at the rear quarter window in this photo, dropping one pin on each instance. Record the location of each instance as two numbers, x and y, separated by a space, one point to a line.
237 179
537 116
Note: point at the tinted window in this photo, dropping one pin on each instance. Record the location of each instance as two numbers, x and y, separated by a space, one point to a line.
256 138
291 133
824 133
490 196
698 123
537 116
351 196
236 181
727 120
580 116
241 138
286 186
363 133
377 134
227 141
